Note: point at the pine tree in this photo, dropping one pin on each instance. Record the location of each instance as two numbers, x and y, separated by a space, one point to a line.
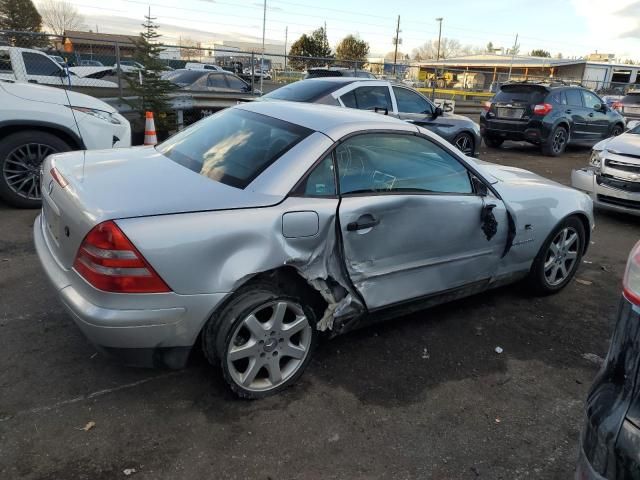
152 91
22 16
315 45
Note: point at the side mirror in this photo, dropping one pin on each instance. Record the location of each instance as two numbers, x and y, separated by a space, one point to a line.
381 109
479 187
601 107
438 112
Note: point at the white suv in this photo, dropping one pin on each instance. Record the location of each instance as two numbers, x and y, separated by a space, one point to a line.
36 121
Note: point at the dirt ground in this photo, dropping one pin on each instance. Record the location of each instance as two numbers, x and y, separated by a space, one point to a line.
424 396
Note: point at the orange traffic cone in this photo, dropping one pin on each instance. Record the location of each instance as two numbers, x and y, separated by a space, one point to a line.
150 137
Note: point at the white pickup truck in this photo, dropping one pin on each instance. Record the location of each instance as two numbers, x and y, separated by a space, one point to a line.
25 65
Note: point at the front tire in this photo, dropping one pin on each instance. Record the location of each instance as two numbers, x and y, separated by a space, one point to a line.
556 143
617 130
465 143
493 142
558 258
262 338
21 155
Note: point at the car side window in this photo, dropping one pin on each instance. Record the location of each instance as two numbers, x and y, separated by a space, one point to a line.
321 181
387 162
5 62
235 83
216 81
590 100
411 102
558 98
574 98
36 64
368 98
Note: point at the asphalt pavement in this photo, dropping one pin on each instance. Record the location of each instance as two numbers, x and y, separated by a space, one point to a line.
423 396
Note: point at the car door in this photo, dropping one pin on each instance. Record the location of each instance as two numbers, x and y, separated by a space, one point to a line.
41 69
410 219
235 84
413 107
576 110
597 119
374 97
217 83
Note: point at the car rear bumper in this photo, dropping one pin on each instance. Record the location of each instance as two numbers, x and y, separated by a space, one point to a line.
151 335
513 130
605 196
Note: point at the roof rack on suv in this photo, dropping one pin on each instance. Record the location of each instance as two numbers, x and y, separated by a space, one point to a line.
544 83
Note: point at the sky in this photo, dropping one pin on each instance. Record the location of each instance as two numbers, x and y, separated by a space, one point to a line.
571 27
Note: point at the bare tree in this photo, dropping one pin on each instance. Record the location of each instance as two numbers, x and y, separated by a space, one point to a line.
60 15
449 47
190 49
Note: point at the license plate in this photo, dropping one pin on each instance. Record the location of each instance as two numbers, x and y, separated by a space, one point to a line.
510 112
52 220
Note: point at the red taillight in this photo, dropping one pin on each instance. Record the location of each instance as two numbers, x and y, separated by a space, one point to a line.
108 260
57 176
486 106
542 109
631 281
617 106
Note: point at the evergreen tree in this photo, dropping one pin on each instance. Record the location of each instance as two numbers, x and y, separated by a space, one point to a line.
152 91
314 45
22 16
352 48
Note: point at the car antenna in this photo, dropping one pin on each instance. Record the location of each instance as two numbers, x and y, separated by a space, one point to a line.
73 112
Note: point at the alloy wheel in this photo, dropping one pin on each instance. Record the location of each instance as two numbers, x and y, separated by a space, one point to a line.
559 140
464 144
561 256
269 345
21 169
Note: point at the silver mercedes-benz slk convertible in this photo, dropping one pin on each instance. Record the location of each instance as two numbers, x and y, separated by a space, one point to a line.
267 223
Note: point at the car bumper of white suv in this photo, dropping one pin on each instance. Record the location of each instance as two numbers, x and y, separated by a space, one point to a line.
153 329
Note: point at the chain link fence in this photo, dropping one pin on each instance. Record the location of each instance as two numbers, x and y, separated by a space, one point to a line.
104 66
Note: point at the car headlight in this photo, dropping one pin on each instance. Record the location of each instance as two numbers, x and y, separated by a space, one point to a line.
101 114
596 158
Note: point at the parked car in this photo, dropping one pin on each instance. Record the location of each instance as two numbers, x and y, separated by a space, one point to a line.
394 99
548 114
91 63
37 121
26 65
629 105
265 223
611 433
322 72
129 66
203 66
612 178
257 73
222 82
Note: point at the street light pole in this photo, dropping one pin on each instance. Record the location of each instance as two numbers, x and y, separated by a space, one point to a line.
264 23
439 19
395 53
286 35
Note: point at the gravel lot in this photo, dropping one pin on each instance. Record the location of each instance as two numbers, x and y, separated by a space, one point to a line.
424 396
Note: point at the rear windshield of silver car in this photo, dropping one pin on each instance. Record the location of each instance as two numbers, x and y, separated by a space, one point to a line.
305 91
234 146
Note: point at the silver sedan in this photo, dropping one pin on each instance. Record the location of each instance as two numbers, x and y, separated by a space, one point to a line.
259 227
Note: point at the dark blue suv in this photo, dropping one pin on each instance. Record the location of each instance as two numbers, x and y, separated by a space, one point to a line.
548 114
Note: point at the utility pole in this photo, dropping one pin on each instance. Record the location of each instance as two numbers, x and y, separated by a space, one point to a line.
513 54
439 19
286 35
264 23
396 41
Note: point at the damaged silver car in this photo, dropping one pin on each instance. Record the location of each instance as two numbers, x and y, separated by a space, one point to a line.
612 178
263 225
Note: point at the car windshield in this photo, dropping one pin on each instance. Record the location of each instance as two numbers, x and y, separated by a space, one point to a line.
234 146
635 130
520 94
303 91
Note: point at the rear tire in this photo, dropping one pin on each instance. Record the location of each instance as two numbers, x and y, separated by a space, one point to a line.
263 339
493 142
558 258
21 155
617 130
556 142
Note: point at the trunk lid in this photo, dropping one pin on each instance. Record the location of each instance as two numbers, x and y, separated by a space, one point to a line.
121 183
